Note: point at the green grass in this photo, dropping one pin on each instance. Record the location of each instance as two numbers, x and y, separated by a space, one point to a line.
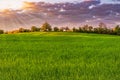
59 56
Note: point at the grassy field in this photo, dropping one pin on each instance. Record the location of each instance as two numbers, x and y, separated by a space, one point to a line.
59 56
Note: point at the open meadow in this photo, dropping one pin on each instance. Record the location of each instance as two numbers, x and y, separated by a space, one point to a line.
59 56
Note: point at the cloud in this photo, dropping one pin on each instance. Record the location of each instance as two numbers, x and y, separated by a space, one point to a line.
61 14
29 6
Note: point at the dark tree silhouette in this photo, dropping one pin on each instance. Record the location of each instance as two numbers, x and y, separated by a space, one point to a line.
34 29
117 30
46 27
1 31
56 29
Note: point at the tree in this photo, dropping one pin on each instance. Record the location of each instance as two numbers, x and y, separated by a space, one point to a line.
102 29
67 29
117 30
56 29
74 29
1 31
27 30
102 25
21 29
85 28
96 30
62 29
111 31
90 29
34 29
80 29
46 27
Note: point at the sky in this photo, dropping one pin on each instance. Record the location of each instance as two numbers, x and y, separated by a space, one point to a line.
103 1
14 14
15 4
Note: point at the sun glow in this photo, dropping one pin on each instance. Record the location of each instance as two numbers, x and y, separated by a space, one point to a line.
9 4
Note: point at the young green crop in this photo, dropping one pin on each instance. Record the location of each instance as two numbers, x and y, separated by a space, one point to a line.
59 56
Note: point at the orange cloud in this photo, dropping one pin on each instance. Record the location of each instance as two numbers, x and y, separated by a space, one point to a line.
7 13
29 6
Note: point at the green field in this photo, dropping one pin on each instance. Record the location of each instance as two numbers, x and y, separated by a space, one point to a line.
59 56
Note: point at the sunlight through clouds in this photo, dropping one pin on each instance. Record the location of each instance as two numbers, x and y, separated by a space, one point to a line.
17 4
5 4
25 13
13 4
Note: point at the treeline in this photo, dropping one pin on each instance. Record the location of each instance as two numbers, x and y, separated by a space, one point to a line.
46 27
101 29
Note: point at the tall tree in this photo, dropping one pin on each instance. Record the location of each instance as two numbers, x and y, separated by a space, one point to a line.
46 27
102 28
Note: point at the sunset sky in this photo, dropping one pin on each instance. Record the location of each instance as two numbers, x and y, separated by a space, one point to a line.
15 4
25 13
